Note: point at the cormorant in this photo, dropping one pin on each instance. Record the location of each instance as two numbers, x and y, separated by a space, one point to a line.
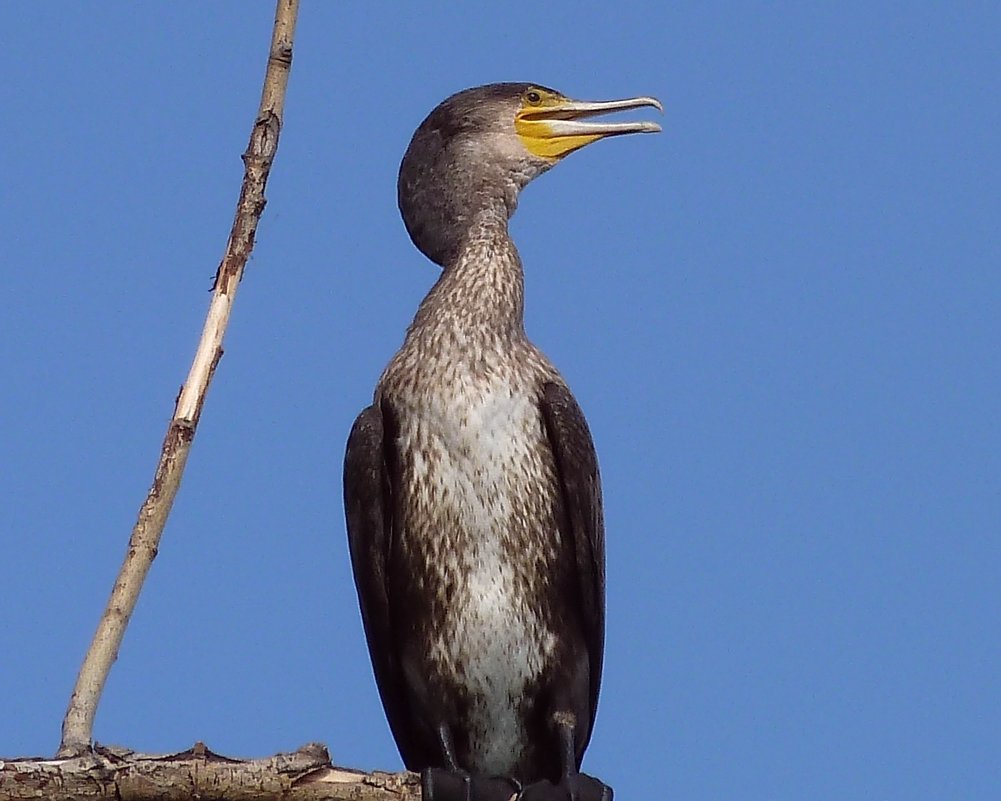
471 484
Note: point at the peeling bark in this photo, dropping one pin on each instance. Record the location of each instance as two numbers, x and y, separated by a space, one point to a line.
117 774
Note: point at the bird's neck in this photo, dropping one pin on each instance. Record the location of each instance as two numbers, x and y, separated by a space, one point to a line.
481 292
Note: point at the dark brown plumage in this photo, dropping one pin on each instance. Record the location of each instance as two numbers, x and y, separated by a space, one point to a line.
471 484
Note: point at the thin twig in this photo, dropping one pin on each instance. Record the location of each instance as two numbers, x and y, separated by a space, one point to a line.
78 725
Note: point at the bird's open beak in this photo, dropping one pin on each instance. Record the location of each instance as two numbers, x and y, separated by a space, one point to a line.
561 126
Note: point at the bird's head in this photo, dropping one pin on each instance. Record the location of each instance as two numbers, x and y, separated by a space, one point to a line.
480 147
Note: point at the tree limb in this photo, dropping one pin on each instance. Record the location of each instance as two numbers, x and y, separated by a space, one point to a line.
78 724
118 774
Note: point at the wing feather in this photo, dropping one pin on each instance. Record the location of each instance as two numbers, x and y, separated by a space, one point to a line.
580 482
368 506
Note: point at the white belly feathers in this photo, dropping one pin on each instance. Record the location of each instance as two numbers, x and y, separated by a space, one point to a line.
475 459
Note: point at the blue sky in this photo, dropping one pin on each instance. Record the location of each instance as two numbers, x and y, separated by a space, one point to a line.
780 316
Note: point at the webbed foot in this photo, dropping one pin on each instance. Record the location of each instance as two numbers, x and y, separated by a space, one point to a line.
578 787
439 784
582 787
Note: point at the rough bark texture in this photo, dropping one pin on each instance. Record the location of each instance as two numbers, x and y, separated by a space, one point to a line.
118 774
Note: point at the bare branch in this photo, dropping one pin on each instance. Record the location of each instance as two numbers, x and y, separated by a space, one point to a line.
78 725
117 774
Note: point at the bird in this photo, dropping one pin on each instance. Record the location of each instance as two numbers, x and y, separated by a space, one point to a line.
471 485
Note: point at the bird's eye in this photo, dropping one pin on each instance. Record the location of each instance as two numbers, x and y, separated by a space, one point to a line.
533 97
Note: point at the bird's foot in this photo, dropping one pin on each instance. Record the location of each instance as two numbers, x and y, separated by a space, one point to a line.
578 787
439 784
582 787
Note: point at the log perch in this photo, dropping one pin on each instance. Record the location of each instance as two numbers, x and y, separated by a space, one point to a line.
111 773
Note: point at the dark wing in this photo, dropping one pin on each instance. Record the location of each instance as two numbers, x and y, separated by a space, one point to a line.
368 506
577 472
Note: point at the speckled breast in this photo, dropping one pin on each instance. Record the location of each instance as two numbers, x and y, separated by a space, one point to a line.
479 532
